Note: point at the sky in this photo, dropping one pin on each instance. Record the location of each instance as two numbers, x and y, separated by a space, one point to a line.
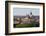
25 11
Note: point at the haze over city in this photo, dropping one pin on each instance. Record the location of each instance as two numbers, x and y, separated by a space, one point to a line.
25 11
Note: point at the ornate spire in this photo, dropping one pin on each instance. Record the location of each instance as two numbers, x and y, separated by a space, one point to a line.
31 13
